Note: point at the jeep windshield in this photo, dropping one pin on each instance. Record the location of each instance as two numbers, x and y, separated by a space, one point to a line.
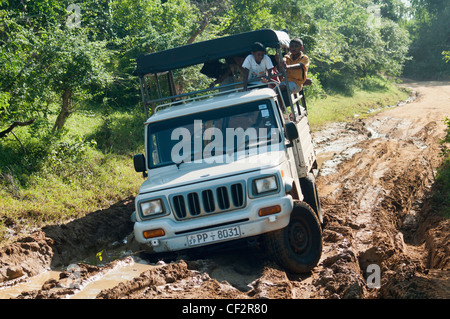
209 136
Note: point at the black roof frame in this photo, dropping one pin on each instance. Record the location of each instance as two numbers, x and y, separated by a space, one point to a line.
164 62
201 52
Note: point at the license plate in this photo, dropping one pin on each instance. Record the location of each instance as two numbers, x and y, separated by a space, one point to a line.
213 236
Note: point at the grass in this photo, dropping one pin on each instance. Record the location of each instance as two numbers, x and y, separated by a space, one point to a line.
52 198
363 103
70 177
441 195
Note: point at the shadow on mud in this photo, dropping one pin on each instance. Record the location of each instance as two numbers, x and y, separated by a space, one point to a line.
107 232
79 239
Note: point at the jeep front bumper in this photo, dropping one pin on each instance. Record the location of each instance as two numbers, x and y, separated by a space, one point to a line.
246 222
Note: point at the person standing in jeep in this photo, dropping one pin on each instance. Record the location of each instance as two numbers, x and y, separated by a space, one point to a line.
296 64
257 65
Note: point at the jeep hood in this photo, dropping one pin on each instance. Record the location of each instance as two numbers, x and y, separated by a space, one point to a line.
191 173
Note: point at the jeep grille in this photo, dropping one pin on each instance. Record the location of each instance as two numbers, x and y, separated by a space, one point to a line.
203 202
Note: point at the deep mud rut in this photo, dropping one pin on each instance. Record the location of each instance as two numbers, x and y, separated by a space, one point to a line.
375 180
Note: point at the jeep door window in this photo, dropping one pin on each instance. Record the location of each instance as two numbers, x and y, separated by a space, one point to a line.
239 118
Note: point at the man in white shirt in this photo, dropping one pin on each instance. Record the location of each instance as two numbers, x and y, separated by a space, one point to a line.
257 65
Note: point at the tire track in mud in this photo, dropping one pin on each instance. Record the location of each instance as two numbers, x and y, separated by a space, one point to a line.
374 200
375 189
374 183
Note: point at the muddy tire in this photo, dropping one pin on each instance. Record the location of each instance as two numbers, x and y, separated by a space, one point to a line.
310 194
297 247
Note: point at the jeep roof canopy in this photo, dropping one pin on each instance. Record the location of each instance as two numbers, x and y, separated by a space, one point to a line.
209 50
164 62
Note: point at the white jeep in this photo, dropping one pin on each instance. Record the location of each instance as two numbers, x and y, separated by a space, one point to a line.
227 165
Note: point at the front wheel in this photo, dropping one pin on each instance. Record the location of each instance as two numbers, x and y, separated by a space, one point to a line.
298 246
310 194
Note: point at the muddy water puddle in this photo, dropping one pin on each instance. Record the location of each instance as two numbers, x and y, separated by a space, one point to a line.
338 141
334 145
108 277
27 284
123 272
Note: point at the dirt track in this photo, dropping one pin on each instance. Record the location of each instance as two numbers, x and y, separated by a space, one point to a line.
375 181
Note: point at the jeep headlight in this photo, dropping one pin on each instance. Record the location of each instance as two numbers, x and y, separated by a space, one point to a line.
266 184
152 207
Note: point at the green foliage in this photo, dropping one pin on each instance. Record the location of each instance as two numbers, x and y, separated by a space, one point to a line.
394 10
442 194
48 155
49 72
315 90
353 43
18 98
446 55
94 63
68 158
430 30
74 67
445 142
374 94
120 133
71 61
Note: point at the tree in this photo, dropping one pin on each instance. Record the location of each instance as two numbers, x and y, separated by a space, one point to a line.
430 31
395 46
394 10
72 66
18 98
352 40
41 62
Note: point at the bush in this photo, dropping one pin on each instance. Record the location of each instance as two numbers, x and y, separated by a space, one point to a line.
442 195
120 132
315 90
70 158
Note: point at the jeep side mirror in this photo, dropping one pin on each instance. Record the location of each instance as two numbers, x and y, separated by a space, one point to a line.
291 132
139 164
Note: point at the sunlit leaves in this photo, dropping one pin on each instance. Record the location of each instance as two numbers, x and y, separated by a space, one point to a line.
353 41
446 55
430 31
346 40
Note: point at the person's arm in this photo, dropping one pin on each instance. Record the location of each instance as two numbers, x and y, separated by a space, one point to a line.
221 79
297 66
266 78
245 79
269 67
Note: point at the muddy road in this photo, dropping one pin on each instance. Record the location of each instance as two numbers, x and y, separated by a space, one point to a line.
382 238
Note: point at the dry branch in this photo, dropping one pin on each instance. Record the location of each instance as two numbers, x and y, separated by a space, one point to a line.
9 129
